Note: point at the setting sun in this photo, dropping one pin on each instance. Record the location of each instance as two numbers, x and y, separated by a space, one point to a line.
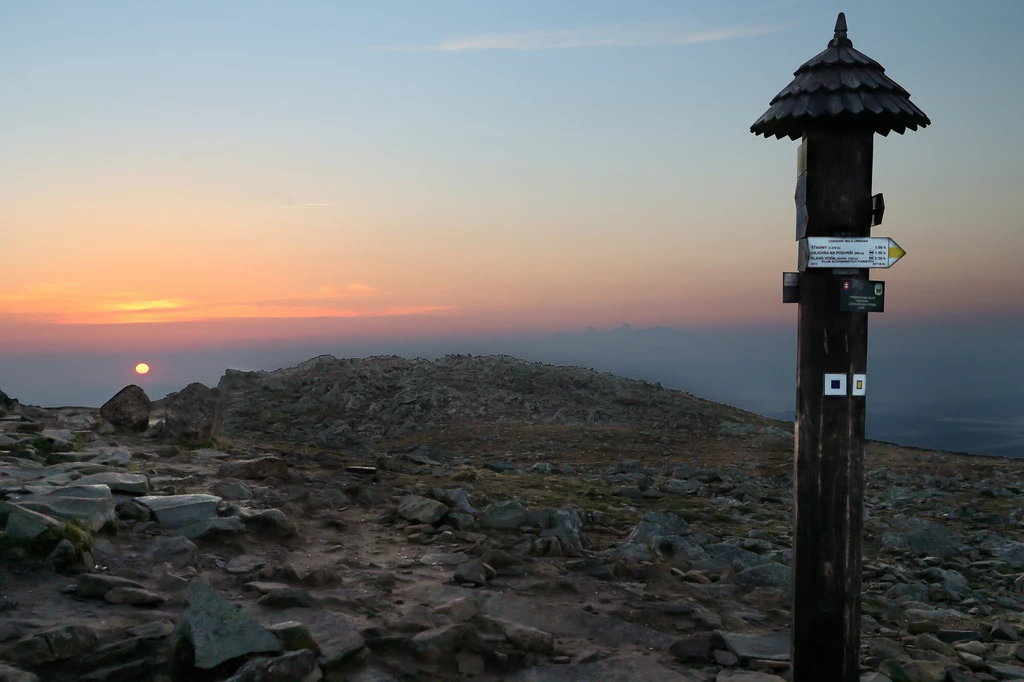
142 368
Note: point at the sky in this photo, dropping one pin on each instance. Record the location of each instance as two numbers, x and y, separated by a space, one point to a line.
206 177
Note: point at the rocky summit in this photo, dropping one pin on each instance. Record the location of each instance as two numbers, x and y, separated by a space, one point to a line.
471 518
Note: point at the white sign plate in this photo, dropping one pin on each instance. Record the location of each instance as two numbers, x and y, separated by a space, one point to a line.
860 384
846 252
835 384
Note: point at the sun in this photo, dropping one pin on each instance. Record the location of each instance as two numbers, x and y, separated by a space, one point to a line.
142 368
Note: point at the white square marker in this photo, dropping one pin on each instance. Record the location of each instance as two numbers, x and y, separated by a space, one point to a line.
835 384
859 385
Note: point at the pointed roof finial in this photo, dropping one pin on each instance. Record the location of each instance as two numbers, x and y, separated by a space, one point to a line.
840 39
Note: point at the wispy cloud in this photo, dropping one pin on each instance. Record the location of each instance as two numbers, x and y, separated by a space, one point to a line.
649 34
53 304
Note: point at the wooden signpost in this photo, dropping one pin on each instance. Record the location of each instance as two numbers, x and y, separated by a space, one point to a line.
836 103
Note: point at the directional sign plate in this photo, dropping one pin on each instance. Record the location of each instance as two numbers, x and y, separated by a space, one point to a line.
845 252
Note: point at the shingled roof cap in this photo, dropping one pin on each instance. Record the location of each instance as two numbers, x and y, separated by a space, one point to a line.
842 88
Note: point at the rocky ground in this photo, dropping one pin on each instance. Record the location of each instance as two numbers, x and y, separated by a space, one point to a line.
470 518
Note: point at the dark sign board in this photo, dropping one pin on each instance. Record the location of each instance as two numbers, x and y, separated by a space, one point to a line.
861 296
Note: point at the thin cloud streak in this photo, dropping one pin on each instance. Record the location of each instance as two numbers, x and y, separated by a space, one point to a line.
657 34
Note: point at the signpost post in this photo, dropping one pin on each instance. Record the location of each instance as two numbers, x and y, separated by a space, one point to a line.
836 103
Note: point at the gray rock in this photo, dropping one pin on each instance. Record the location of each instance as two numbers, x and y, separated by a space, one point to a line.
768 647
913 671
294 636
231 489
766 575
923 537
11 674
25 524
523 637
456 499
294 666
567 526
125 483
421 509
287 598
245 563
276 522
440 643
747 676
657 525
177 511
730 555
133 596
218 631
201 529
129 408
471 572
504 516
192 415
96 585
616 669
257 469
91 506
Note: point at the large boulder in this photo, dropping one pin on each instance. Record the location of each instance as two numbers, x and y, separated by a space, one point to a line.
191 414
129 408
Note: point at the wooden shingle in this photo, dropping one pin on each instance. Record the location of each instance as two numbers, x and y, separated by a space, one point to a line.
842 87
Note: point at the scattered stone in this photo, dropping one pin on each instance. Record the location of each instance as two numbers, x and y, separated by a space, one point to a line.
133 596
97 585
257 469
421 509
504 516
276 522
288 597
294 636
294 666
200 529
472 571
231 489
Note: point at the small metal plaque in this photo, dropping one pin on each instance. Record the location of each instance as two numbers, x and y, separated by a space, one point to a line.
861 296
859 385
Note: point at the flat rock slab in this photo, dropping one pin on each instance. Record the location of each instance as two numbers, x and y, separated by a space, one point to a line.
337 636
218 631
125 483
608 670
773 646
177 511
604 630
92 506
